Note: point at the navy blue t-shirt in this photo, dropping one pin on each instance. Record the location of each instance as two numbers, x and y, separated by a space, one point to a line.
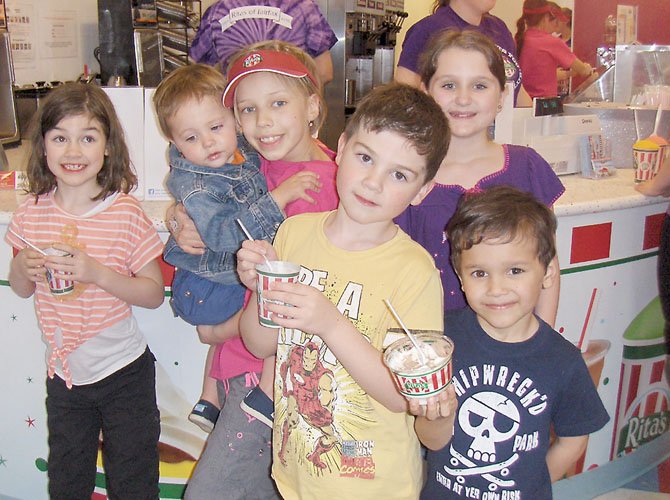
508 396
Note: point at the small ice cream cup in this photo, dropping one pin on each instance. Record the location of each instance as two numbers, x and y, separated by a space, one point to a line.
274 271
58 286
415 380
646 155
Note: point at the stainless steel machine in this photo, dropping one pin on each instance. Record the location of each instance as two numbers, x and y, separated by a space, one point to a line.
363 57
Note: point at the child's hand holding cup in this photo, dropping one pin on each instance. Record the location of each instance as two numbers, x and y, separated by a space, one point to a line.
58 286
270 272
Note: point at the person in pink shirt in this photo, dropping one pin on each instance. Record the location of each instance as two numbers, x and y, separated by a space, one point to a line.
541 53
278 106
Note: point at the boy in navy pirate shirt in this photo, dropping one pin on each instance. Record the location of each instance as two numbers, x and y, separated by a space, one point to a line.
514 376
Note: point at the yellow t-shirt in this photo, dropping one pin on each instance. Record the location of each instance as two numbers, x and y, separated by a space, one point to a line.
330 439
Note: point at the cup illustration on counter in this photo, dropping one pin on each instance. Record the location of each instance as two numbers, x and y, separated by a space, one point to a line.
58 286
416 379
271 272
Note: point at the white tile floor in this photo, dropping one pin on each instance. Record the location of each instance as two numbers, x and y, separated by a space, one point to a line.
626 494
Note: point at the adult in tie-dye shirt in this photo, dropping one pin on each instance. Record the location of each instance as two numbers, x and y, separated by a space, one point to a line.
228 25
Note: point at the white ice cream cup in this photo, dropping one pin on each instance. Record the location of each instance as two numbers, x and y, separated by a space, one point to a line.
274 271
418 381
58 286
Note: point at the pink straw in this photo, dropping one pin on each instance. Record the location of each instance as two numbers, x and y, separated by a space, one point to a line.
586 320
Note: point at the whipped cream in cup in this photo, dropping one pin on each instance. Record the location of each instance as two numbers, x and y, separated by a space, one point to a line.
414 379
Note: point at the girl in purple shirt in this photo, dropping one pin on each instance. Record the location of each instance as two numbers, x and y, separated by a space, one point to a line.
464 72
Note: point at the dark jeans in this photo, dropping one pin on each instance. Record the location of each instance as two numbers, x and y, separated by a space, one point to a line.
122 406
664 277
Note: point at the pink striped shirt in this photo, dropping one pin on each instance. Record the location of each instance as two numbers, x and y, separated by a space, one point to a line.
117 233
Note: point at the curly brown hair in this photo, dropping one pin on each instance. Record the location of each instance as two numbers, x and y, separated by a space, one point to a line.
74 99
505 214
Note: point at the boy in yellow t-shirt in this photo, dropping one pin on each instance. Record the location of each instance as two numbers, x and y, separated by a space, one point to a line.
341 428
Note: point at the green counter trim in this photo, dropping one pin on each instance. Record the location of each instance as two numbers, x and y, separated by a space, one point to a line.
610 263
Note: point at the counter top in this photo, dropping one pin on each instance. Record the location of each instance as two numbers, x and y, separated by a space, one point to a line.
582 196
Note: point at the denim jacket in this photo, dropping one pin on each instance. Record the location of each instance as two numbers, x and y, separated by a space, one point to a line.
214 198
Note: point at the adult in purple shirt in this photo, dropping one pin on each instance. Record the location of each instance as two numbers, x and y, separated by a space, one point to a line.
229 25
460 15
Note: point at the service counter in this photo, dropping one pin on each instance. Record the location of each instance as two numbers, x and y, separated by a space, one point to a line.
608 238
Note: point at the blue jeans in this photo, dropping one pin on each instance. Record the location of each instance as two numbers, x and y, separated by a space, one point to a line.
199 301
123 406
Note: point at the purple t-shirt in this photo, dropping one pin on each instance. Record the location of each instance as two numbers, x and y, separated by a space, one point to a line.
445 18
524 169
541 55
229 25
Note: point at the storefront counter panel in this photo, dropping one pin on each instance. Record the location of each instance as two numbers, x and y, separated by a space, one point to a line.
608 238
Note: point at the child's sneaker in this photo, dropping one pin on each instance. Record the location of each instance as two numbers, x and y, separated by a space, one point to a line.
204 415
257 404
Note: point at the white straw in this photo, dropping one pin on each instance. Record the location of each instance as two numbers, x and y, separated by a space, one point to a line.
657 123
250 238
637 124
27 242
409 334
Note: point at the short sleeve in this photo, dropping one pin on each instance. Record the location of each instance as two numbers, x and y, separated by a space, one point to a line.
547 187
147 245
580 410
321 36
414 43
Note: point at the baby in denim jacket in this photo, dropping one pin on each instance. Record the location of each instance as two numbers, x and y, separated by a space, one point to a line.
216 175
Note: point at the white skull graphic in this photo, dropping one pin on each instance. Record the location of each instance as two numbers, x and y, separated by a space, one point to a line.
489 418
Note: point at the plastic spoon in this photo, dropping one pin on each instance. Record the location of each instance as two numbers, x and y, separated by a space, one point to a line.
250 238
422 356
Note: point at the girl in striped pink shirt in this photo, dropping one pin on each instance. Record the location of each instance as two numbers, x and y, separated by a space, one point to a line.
101 374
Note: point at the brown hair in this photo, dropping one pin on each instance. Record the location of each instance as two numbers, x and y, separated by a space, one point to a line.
465 40
532 19
74 99
183 84
305 85
437 4
408 112
504 214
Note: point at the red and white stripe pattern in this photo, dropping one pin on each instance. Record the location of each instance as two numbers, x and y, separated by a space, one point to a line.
638 375
421 386
264 316
646 164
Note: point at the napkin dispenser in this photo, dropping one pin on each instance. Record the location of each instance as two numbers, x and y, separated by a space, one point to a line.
556 139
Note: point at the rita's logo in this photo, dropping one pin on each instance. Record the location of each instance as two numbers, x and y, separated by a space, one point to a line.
252 60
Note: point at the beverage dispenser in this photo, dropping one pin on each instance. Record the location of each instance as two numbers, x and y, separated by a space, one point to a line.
363 57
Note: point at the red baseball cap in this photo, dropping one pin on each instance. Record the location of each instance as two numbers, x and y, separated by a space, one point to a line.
272 61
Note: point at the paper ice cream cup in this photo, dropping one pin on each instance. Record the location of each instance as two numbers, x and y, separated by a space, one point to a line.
415 380
276 271
58 286
646 160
